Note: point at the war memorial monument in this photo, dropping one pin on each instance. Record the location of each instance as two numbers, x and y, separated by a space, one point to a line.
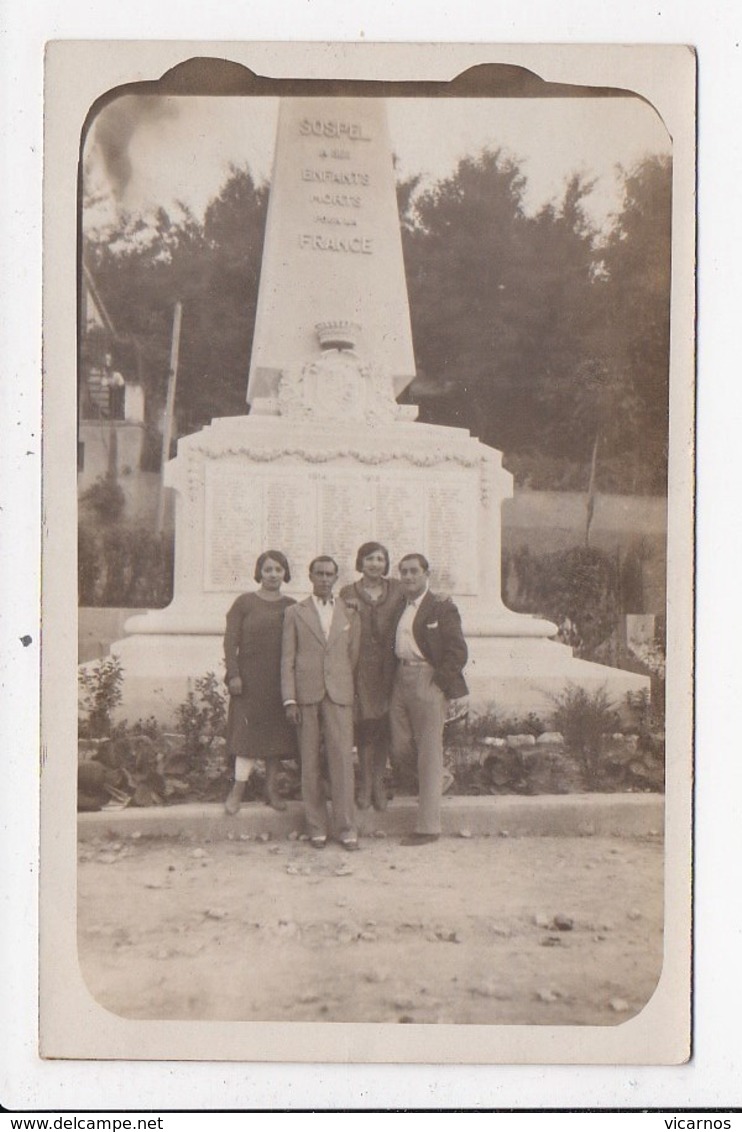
326 458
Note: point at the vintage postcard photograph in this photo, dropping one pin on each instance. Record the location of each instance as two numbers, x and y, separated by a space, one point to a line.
368 567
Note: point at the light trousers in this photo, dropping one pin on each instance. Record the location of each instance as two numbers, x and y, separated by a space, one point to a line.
416 717
333 723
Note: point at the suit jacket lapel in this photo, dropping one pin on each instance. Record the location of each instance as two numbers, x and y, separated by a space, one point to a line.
398 613
311 617
419 622
338 621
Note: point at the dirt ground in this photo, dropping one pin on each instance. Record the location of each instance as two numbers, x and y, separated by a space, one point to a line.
485 930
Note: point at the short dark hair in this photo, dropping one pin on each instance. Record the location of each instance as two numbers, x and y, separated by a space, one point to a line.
420 558
276 556
370 548
323 558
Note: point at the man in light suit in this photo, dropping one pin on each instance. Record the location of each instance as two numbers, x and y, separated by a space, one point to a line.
431 653
321 643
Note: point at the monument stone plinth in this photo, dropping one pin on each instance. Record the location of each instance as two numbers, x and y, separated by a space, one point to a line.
327 459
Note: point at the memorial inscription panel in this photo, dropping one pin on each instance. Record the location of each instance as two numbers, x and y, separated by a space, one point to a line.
400 518
304 512
233 525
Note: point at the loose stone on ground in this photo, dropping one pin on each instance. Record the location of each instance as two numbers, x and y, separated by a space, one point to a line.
466 933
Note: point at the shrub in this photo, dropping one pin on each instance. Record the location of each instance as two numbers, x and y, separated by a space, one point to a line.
648 714
576 588
105 498
584 718
100 692
202 718
124 565
145 764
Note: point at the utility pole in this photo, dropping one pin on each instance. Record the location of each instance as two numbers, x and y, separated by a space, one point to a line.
167 428
591 491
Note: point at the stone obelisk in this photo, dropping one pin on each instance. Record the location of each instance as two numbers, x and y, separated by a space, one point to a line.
326 458
333 249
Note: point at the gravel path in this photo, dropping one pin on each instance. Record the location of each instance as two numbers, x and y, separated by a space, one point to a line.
485 930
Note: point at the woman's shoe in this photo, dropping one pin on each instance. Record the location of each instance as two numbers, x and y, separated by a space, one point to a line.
234 798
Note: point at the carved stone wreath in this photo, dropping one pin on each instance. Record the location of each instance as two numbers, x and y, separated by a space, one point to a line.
423 457
337 386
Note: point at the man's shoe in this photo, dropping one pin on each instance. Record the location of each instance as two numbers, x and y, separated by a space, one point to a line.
276 802
379 795
272 797
318 842
419 839
350 844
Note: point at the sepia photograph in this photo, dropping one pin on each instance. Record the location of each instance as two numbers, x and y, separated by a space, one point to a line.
383 565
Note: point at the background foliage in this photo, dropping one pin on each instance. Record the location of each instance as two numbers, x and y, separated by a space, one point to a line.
538 333
577 589
123 564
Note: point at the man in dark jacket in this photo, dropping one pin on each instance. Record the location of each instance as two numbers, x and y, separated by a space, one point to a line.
431 653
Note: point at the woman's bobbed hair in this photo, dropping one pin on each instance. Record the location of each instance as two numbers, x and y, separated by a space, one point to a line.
370 548
276 555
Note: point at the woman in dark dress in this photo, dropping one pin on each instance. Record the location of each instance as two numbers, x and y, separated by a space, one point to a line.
256 721
377 599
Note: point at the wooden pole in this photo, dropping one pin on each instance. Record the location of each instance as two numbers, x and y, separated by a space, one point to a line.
167 428
591 491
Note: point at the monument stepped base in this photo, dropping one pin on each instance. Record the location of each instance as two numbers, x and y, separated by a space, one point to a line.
506 675
515 676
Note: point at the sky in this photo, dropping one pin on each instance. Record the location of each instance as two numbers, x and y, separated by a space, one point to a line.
143 151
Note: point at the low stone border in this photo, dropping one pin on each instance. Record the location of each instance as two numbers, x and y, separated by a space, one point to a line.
582 815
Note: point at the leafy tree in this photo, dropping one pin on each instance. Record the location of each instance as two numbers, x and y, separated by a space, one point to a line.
496 296
550 345
607 406
577 588
221 321
145 265
406 189
637 264
595 407
545 344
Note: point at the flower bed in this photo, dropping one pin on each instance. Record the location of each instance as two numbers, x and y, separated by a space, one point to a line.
145 765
